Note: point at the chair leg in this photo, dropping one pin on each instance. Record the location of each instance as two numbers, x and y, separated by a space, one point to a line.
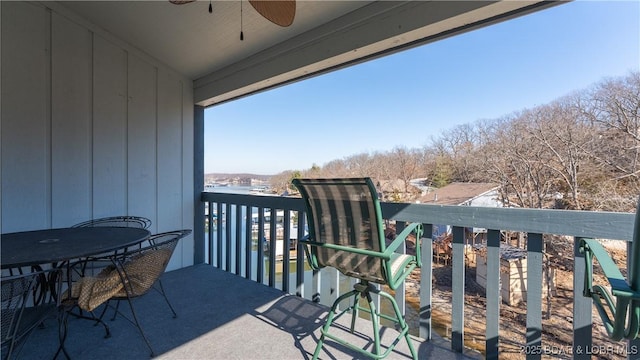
137 324
354 311
376 324
166 299
330 318
115 310
404 327
365 289
63 327
93 317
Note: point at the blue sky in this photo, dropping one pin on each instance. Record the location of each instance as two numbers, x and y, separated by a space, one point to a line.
406 98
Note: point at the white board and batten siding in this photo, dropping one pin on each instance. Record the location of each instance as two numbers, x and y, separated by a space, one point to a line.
90 127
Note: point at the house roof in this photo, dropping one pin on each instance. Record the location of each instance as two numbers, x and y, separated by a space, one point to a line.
457 193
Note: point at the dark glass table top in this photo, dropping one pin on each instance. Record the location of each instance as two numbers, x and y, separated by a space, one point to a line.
55 245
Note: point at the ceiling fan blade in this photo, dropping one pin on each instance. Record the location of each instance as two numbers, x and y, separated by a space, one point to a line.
279 12
181 2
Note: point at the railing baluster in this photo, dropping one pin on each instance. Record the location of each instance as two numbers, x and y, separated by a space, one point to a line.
219 235
238 239
261 243
426 281
401 290
457 289
227 228
286 239
248 242
533 347
273 243
316 280
493 294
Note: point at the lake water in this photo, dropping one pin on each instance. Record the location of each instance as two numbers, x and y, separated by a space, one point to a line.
233 189
237 189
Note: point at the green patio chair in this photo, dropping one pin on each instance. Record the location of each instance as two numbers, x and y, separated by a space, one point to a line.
618 307
346 232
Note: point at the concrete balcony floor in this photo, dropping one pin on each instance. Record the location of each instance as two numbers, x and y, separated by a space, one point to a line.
220 316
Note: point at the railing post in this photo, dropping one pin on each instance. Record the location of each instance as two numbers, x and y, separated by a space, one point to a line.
426 281
300 256
457 290
633 346
211 235
493 294
533 348
582 318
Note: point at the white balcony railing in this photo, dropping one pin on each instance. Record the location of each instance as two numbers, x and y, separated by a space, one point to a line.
237 227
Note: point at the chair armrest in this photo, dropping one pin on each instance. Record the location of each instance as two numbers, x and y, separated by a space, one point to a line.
346 248
619 285
417 227
402 237
612 313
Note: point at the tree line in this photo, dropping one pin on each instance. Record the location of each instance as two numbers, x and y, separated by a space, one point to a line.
581 151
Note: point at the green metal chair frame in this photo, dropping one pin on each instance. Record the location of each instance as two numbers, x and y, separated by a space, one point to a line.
620 316
346 232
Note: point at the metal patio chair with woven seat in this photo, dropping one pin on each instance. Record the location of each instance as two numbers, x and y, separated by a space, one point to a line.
131 274
618 304
346 232
117 221
23 309
121 221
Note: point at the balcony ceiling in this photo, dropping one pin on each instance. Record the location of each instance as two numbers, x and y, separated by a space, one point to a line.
324 35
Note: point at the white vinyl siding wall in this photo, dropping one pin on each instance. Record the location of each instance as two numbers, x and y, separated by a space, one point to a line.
90 127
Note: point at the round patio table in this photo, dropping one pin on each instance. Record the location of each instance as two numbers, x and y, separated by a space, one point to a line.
49 246
60 246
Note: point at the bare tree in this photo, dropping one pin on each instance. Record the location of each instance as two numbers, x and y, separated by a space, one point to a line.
404 165
585 147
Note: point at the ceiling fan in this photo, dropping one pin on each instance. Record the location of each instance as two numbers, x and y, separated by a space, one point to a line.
279 12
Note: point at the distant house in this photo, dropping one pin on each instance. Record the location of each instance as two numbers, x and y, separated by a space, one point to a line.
464 194
397 188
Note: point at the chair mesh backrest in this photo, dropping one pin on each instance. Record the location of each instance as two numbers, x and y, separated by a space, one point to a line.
143 267
15 290
118 221
345 212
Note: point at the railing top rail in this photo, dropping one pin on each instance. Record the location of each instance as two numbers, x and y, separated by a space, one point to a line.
276 202
596 224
